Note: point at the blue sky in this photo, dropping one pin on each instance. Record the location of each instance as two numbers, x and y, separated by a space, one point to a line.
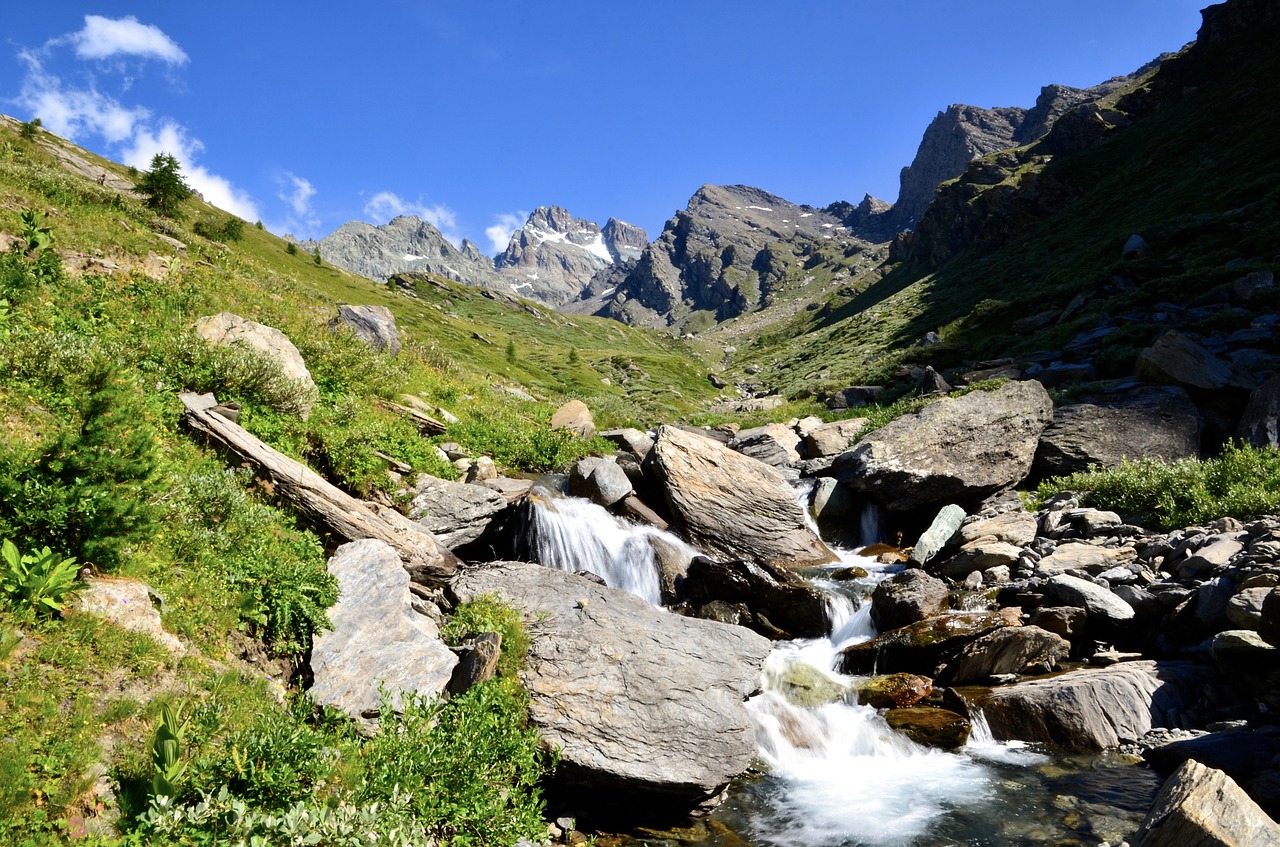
471 114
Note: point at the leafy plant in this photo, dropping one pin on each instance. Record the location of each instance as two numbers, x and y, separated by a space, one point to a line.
229 229
28 130
291 248
489 614
166 753
41 580
315 256
163 185
37 234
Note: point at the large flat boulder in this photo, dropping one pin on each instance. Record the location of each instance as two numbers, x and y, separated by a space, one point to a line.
646 707
377 640
1159 423
1095 708
782 603
957 449
731 504
1199 806
456 513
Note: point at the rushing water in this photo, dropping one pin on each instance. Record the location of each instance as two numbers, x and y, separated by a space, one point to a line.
836 775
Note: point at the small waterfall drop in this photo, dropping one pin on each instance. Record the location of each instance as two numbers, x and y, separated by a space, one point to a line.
870 528
574 534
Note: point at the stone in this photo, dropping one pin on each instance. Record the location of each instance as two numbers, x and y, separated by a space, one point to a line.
1174 359
1238 651
576 418
1015 528
226 329
374 325
609 484
930 726
482 470
1260 424
456 513
1157 423
923 646
789 605
377 640
832 439
1094 599
632 440
944 525
730 504
1067 621
1095 708
644 706
1244 609
853 396
831 500
952 450
672 558
1075 556
907 597
127 604
1209 557
1134 247
477 664
1200 806
979 554
774 444
1015 649
801 684
892 691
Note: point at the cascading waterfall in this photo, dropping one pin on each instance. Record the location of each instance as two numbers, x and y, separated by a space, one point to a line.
574 534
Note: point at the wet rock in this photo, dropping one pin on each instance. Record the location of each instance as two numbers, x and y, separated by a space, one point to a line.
1093 709
645 706
951 450
923 646
127 604
1017 650
455 513
907 597
1203 807
602 482
731 504
378 641
576 418
374 325
933 539
1094 599
632 440
673 561
1156 423
804 685
930 727
787 603
892 691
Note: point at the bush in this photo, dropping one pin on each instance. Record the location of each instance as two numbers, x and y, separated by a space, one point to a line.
488 614
1243 482
230 229
40 581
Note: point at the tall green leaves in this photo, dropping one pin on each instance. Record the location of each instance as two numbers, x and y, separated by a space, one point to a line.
40 580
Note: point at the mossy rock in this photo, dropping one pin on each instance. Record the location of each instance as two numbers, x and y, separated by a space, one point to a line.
930 727
893 691
805 686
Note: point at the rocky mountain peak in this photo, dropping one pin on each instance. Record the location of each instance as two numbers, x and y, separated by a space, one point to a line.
405 243
625 241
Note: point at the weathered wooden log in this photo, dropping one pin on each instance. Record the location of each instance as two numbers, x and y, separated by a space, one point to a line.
426 424
428 562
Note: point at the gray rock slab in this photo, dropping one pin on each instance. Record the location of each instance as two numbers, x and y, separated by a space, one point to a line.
634 697
933 539
1199 806
377 638
127 604
374 325
456 513
1094 599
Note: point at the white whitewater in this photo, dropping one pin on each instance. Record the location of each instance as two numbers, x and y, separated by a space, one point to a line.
574 534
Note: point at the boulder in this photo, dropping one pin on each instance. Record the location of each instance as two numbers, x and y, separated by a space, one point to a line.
853 396
1243 651
922 647
1067 621
1199 806
933 539
832 439
225 329
1260 424
632 440
951 450
1244 609
477 664
1174 359
1094 599
1095 708
374 325
576 418
456 513
378 641
801 684
601 481
930 726
892 691
728 503
907 597
1157 423
782 604
1077 556
1016 528
646 708
774 444
981 554
127 604
1014 649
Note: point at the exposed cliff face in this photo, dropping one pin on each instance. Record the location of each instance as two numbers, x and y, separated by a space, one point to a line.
722 255
554 255
407 243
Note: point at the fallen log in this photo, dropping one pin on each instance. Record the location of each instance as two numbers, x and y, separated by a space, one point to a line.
428 562
426 424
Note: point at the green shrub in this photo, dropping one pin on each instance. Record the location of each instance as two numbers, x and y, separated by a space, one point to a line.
163 186
229 229
1243 482
489 614
234 372
516 440
40 581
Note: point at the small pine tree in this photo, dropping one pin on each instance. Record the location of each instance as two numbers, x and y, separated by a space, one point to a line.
163 186
291 248
315 256
573 355
511 351
30 128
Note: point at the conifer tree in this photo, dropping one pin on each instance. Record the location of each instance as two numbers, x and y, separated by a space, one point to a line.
163 186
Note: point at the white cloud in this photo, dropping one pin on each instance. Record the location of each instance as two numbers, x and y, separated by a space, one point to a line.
73 113
499 234
173 139
296 193
300 197
103 38
386 205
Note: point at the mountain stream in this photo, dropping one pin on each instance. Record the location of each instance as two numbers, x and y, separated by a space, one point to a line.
836 775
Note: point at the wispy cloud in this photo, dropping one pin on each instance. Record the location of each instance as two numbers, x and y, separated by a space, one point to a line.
302 220
505 225
386 205
104 38
85 111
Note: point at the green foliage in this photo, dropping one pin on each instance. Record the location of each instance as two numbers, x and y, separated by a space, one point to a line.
163 186
39 581
28 130
229 229
511 352
34 230
291 248
89 488
1243 482
514 440
349 435
489 614
473 763
166 753
315 257
573 355
234 372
